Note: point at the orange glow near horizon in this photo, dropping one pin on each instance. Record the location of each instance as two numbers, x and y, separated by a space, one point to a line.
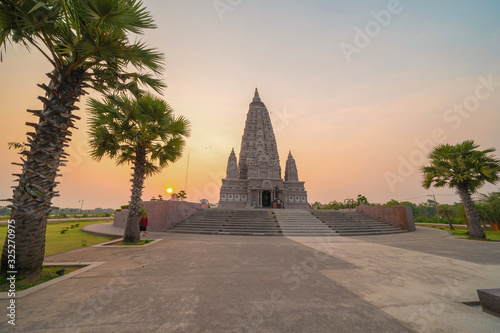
169 190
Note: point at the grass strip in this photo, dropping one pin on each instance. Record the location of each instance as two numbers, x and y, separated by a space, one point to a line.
72 238
141 242
47 273
463 233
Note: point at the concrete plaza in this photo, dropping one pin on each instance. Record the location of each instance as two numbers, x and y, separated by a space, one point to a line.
411 282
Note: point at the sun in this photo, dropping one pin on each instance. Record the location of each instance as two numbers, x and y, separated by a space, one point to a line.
169 190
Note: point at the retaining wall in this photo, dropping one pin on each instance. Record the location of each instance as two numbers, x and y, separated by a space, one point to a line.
162 215
399 216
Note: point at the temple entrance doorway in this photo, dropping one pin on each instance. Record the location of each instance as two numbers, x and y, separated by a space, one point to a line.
266 198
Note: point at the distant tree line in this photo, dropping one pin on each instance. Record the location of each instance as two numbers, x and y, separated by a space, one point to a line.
66 212
487 205
348 203
4 211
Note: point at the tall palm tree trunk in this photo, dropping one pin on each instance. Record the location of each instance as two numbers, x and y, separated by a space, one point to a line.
132 233
473 223
32 197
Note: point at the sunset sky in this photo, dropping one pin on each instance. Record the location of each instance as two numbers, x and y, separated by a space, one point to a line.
359 91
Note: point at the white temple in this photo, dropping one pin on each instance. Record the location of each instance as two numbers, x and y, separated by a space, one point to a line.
255 182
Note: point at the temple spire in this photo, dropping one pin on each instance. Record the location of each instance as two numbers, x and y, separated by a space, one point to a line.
291 173
232 166
256 99
254 179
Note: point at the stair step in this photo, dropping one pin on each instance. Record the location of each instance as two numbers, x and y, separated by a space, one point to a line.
282 223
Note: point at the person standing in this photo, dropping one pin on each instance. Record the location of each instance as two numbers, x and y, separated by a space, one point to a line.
143 223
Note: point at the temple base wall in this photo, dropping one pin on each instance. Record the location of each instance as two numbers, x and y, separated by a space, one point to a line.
162 215
232 205
399 216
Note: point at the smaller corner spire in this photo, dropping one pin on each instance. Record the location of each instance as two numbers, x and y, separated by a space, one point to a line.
232 166
290 154
256 91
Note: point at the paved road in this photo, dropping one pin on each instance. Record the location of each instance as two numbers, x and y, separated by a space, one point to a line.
428 240
195 283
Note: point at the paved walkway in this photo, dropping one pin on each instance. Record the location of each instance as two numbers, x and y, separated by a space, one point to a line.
414 282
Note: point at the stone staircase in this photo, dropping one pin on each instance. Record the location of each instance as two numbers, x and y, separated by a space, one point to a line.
230 222
297 222
282 222
350 223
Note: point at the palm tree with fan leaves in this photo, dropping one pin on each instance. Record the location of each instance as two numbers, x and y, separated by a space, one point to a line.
489 207
446 211
465 169
88 45
141 131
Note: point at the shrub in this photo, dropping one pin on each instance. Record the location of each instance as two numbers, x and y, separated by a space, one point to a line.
64 229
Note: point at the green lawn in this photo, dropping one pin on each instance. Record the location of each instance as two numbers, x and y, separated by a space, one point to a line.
56 242
462 232
47 273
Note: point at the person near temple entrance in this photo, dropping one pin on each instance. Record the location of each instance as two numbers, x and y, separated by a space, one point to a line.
143 222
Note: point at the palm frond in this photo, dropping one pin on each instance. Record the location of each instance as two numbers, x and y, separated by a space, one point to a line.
115 15
462 163
89 34
145 121
140 56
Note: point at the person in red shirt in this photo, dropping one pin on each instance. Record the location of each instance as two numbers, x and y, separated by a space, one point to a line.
143 223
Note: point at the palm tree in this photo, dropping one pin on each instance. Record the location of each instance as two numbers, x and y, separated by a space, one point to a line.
362 200
87 43
465 169
492 198
485 214
141 131
446 211
489 208
181 195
